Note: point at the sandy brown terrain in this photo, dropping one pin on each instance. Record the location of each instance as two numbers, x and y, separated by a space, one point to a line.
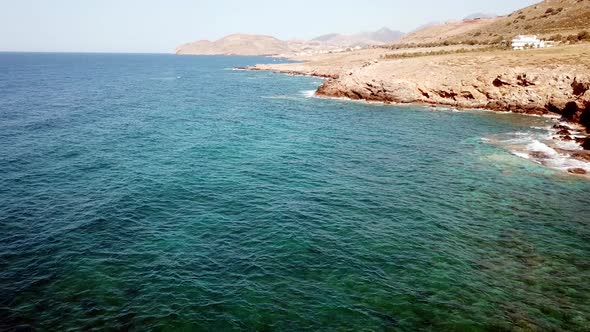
441 32
551 19
558 20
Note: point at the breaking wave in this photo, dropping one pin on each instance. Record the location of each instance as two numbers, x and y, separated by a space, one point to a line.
543 147
307 93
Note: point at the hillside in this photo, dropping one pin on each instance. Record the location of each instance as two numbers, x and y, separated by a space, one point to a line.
237 44
434 33
547 19
550 19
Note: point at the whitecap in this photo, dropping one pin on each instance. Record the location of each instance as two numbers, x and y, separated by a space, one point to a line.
308 93
540 148
537 146
282 97
567 145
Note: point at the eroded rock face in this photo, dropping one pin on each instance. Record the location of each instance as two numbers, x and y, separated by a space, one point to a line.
584 118
580 87
517 90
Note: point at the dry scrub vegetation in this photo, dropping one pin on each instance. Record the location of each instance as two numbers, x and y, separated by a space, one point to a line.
566 21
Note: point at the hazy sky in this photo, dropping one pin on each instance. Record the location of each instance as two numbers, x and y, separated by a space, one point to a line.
160 25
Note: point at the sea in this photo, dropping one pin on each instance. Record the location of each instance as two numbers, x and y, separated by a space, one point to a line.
150 192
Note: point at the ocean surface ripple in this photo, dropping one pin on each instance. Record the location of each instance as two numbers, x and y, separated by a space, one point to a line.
153 192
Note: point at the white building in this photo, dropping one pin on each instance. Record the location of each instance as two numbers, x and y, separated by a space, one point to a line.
529 41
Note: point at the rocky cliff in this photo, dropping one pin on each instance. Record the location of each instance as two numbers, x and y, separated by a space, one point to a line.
518 89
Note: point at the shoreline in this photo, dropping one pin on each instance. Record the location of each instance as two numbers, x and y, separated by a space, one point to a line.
370 81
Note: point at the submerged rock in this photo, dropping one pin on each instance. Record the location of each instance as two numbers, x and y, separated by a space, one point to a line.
579 171
567 138
539 155
582 155
561 127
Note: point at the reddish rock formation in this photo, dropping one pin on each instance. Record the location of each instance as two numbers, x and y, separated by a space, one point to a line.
579 171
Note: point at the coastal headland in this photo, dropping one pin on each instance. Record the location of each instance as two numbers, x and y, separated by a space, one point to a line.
552 81
541 81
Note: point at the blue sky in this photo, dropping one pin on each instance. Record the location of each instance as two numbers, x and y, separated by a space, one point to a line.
160 25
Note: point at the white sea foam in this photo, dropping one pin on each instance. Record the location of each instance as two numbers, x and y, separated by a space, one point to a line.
307 93
442 108
567 145
537 146
540 148
523 155
282 97
541 128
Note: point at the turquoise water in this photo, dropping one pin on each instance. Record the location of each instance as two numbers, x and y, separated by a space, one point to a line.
154 192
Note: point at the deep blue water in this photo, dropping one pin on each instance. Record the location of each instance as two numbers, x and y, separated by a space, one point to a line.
156 192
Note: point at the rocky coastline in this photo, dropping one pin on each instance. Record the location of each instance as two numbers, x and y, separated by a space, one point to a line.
485 81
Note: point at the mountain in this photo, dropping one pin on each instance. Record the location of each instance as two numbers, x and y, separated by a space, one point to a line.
379 37
237 44
327 38
477 16
385 35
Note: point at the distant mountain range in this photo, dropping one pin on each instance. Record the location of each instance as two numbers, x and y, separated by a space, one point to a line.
381 36
245 44
237 44
476 16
